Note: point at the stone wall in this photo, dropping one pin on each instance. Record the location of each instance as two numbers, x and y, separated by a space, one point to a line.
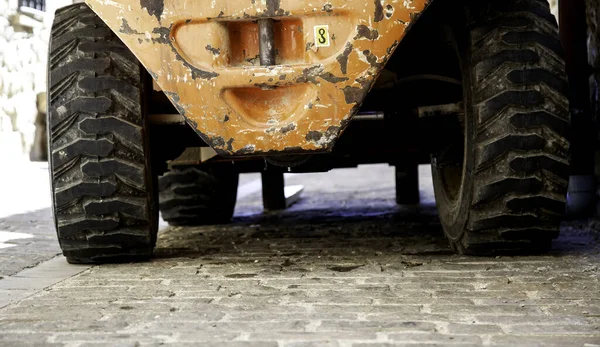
23 55
554 6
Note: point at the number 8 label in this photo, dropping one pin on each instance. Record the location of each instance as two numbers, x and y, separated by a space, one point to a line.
322 36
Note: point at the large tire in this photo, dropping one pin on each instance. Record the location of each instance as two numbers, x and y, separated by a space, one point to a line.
104 203
505 190
190 196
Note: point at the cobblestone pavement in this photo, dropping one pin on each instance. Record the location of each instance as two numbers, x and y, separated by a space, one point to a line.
344 267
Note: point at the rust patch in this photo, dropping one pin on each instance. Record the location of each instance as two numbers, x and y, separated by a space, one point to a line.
176 102
154 7
378 11
354 95
163 35
311 75
389 11
331 78
373 60
314 136
126 29
288 128
274 7
214 51
342 59
217 141
364 32
248 149
393 47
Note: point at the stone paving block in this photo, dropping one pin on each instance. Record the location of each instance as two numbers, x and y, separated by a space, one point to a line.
554 329
443 294
368 309
438 338
26 337
412 344
259 316
527 320
314 336
482 309
422 301
473 329
310 344
544 341
408 317
399 325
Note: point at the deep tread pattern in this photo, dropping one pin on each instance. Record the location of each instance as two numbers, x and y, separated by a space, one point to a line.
79 147
104 205
126 171
71 229
192 196
126 131
133 207
74 191
522 160
521 122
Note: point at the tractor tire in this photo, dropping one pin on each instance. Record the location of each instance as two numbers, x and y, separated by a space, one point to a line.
503 189
104 201
190 196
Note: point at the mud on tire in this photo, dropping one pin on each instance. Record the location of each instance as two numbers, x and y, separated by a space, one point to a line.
103 198
506 190
194 196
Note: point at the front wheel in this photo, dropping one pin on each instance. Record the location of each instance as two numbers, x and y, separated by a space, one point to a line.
500 185
104 201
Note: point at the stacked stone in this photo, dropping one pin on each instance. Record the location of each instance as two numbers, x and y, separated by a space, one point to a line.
554 7
23 57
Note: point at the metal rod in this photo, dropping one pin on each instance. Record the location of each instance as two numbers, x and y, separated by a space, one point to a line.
441 110
364 116
266 39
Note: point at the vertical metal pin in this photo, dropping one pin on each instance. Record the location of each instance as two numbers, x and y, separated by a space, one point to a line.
266 39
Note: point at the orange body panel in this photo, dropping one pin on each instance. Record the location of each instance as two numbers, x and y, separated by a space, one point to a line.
204 56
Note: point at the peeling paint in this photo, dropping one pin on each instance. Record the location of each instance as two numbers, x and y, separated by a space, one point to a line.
214 51
342 59
154 7
217 141
288 128
241 108
126 29
378 11
364 32
248 149
354 95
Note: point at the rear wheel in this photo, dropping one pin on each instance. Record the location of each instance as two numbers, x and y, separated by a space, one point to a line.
500 185
193 196
104 203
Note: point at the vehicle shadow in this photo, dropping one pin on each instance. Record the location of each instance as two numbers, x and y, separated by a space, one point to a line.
346 233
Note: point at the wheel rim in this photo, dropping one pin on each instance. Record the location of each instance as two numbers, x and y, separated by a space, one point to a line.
451 162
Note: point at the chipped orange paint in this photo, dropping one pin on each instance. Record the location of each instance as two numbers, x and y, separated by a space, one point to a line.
202 53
